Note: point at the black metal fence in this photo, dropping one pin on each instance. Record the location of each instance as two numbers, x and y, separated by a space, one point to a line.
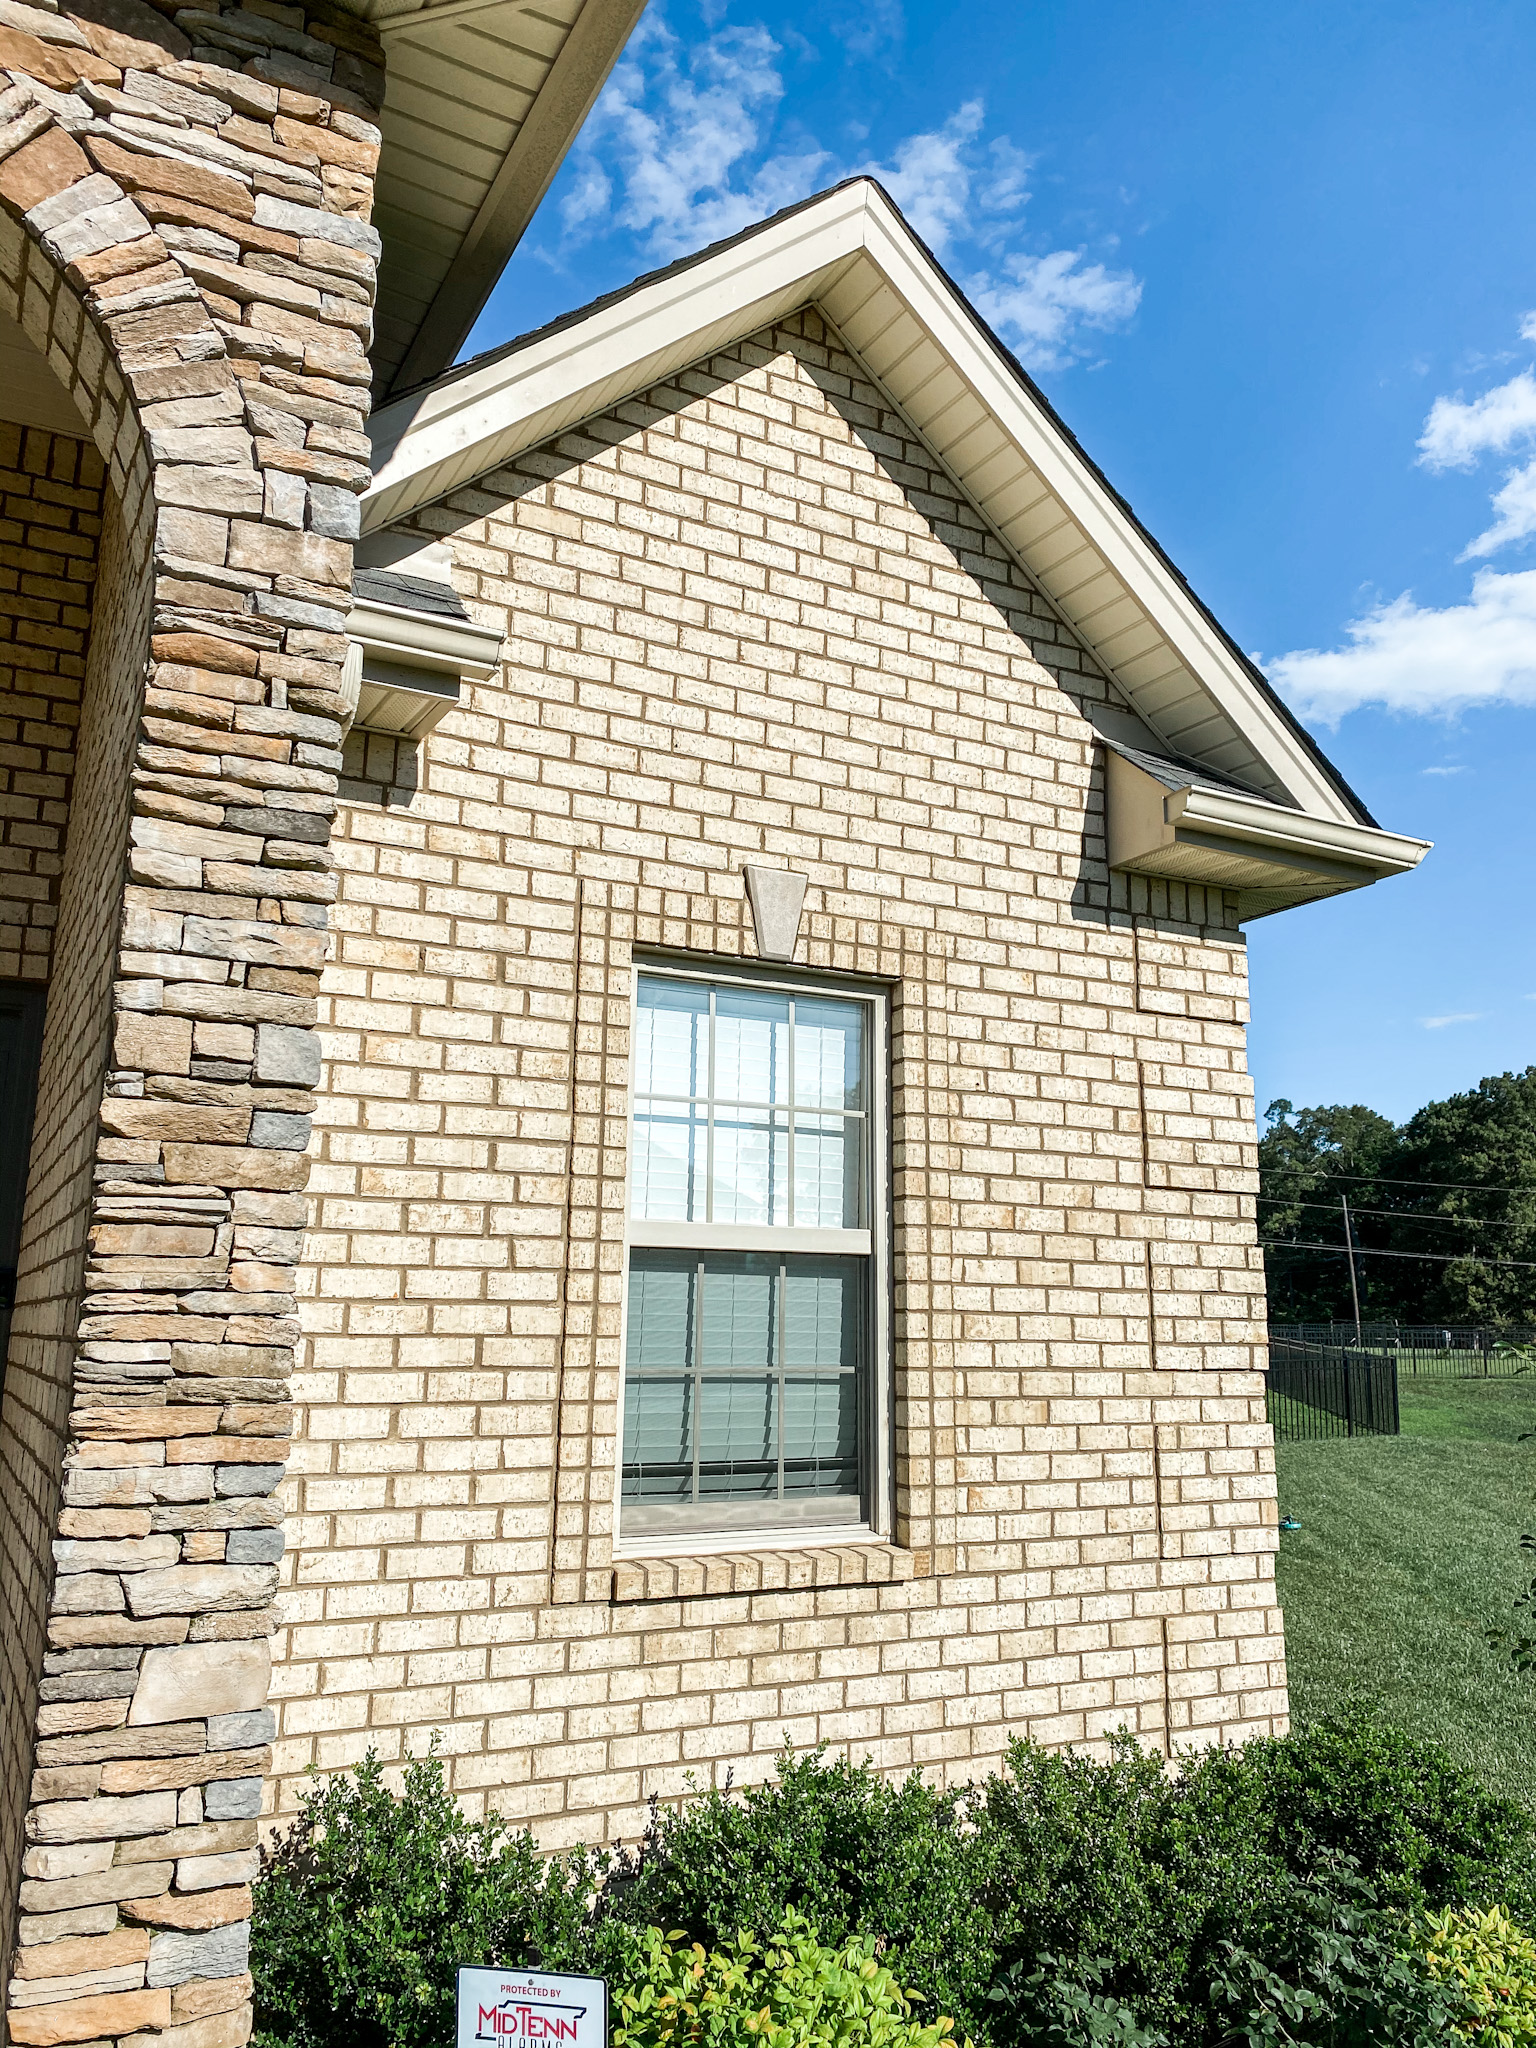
1426 1351
1324 1390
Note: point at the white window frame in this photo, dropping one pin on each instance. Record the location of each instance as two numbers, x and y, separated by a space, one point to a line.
871 1243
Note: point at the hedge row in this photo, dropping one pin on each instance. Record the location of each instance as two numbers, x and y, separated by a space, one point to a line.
1280 1893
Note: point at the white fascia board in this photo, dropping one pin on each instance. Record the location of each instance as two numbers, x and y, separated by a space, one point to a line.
853 255
1263 825
455 646
422 441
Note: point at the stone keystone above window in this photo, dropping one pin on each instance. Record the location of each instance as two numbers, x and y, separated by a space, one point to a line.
776 896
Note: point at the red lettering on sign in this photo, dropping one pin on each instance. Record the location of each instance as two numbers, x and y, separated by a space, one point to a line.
518 2022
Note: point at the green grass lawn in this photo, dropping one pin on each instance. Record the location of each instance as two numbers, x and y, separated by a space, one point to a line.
1408 1547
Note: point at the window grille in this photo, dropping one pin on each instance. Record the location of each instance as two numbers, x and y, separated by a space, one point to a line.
750 1321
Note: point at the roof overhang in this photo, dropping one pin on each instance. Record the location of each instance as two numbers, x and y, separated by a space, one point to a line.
407 663
851 253
482 100
421 640
1272 857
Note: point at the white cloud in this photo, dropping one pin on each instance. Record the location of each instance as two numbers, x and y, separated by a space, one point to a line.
667 150
1439 661
1458 431
1415 658
1455 1017
1040 303
679 152
1445 771
868 26
930 176
955 190
1515 505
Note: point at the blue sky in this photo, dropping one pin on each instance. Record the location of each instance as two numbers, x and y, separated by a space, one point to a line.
1277 267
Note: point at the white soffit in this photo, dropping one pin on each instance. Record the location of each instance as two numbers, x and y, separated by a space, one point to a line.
851 253
482 100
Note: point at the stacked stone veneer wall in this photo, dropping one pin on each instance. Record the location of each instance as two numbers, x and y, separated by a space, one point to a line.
50 526
40 1372
748 616
183 232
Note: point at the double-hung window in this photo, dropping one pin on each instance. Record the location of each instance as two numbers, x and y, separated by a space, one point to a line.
753 1322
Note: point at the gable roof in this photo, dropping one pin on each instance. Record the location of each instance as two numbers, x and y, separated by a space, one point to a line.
484 99
850 252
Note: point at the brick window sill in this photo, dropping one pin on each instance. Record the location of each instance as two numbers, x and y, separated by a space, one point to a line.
789 1570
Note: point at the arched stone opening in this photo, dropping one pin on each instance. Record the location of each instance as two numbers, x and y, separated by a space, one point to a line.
217 364
76 602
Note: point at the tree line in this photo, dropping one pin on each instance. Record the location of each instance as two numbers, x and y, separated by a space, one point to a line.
1442 1209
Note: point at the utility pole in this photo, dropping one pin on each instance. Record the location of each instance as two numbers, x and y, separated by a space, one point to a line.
1354 1282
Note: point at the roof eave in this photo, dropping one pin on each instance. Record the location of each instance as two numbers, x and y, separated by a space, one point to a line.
1268 856
483 98
851 252
552 124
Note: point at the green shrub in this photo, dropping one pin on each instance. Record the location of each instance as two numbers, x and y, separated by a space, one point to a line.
1062 2003
1066 1901
791 1992
1328 1973
1489 1966
1414 1823
852 1851
1332 1973
1148 1886
366 1908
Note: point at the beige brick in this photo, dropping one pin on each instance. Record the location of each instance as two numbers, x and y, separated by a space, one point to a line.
847 688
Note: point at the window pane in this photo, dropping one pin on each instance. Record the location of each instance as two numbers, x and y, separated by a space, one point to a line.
662 1286
823 1313
829 1054
658 1391
738 1438
821 1434
738 1327
658 1444
751 1046
671 1037
667 1163
828 1151
751 1169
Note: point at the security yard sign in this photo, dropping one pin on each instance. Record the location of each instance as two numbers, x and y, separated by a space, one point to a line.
505 2008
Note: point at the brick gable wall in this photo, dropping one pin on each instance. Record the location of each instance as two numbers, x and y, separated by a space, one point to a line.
748 615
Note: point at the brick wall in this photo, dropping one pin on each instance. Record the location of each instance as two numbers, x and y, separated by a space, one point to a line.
746 615
50 524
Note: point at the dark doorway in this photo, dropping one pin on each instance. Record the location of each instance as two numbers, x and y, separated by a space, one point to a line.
21 1042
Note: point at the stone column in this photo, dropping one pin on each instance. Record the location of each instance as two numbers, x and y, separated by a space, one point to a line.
185 195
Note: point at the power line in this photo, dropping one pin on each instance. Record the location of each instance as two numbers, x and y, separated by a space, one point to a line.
1401 1215
1363 1251
1387 1180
